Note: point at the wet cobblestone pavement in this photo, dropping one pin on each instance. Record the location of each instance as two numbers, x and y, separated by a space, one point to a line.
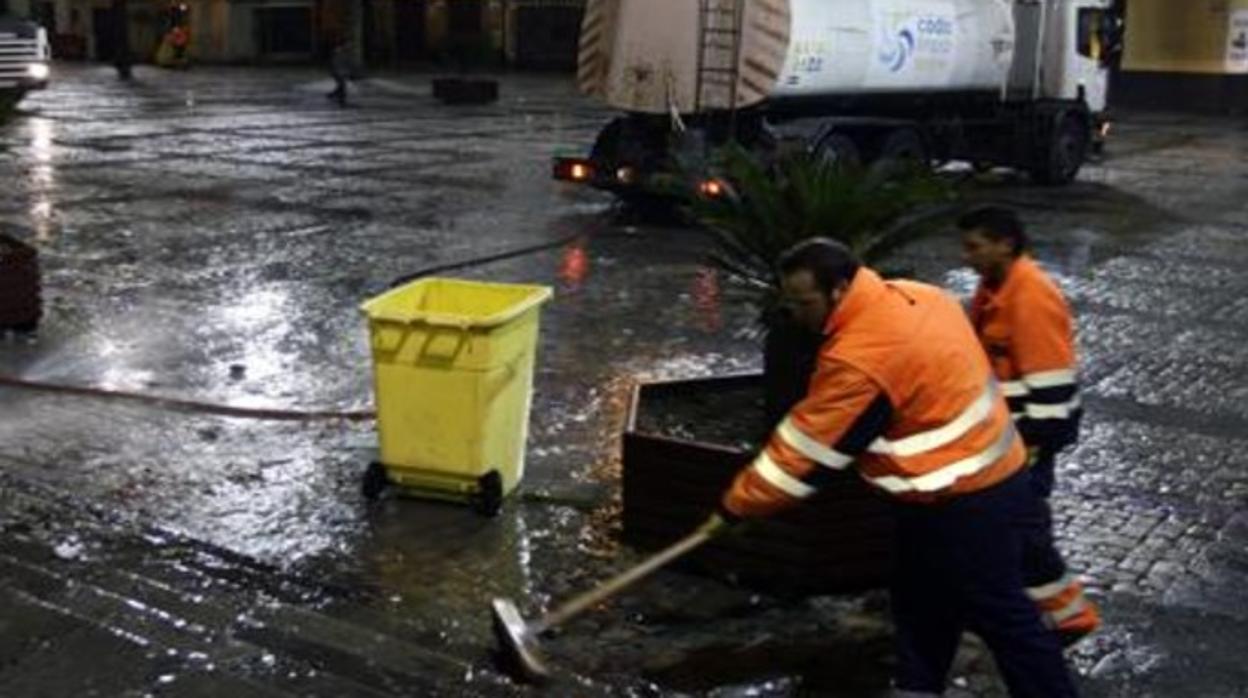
208 236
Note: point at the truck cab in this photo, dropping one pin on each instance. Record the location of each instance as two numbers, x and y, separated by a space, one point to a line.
1080 68
25 57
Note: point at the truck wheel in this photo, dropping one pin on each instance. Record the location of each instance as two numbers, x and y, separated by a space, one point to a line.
489 496
606 146
1067 148
902 149
375 481
839 150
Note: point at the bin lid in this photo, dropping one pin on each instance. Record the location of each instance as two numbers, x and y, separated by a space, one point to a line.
455 302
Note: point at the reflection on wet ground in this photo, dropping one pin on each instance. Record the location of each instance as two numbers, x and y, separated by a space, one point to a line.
209 236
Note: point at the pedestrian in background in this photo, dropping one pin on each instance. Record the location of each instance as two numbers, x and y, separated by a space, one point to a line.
903 391
122 60
1026 328
340 70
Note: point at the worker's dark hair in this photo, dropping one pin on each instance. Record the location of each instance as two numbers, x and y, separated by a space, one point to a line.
997 223
830 262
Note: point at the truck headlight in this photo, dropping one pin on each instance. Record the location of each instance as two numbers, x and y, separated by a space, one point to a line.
38 71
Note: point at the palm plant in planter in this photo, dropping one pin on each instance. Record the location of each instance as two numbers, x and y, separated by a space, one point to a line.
762 209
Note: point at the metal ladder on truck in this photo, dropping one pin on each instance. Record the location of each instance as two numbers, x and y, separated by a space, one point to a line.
719 53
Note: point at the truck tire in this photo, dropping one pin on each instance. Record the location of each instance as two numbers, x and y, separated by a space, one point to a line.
1063 155
839 150
902 149
9 100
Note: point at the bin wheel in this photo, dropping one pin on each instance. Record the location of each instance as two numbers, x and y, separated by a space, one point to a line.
375 481
489 497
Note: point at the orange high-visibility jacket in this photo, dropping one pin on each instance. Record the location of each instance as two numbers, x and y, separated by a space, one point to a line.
903 388
1027 330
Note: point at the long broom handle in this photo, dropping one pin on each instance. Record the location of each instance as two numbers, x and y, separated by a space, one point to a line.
612 586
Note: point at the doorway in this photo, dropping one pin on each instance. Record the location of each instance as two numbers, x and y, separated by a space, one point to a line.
409 30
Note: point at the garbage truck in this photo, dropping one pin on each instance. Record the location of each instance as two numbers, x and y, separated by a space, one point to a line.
994 83
25 55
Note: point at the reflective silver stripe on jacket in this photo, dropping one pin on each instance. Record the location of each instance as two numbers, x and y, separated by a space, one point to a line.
778 478
933 439
1047 591
946 475
1072 609
812 449
1050 379
1059 378
1014 388
1042 411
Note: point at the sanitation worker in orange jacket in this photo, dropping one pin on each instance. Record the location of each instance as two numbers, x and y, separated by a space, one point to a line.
903 392
1027 331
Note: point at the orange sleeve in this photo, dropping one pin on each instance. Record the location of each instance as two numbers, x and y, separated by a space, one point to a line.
1043 333
843 411
1048 411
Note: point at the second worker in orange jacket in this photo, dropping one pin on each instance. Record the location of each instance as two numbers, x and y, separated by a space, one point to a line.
903 392
1026 328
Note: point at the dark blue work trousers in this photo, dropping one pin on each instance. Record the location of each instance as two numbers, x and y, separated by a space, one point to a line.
960 567
1042 563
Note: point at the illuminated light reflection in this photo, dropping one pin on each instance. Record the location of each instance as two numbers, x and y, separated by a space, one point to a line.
41 139
41 219
574 266
706 299
262 320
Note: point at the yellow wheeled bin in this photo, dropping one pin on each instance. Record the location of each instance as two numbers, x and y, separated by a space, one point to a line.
453 382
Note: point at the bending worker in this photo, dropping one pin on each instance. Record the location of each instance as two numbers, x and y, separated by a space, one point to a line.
1026 329
903 390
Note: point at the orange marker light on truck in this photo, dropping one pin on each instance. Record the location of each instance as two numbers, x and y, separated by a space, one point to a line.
711 188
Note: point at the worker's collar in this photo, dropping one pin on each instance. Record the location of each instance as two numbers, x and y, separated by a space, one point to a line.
863 292
1021 267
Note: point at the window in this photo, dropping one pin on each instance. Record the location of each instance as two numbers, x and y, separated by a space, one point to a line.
1100 34
1091 33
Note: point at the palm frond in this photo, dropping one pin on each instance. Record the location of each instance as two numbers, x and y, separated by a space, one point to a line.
770 206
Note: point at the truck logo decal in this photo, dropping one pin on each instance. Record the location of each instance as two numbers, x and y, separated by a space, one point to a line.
897 50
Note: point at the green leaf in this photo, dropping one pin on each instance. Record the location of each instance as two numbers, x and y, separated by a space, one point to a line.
769 206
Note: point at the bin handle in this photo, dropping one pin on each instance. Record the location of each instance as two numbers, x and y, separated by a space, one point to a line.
448 321
500 376
433 347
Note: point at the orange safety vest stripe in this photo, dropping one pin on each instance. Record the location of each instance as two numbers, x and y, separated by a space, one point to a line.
944 430
1060 601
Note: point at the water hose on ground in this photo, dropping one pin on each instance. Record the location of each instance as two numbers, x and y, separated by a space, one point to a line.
281 414
185 405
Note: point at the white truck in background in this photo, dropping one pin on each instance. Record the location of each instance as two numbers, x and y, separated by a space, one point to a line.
25 58
1014 83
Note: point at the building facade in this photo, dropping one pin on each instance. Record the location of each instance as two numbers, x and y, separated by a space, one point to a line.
526 33
1190 55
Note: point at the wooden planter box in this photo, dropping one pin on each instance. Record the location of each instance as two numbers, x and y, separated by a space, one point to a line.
21 305
839 541
465 90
